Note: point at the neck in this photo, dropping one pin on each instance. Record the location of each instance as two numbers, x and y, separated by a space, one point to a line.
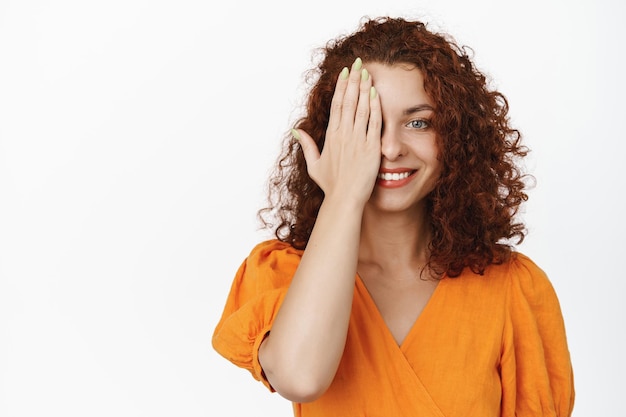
394 240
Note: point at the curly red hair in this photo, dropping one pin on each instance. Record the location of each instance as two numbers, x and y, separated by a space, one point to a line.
474 205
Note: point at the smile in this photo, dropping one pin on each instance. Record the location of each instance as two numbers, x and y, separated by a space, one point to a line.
394 176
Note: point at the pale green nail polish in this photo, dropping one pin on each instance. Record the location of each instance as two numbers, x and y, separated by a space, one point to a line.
372 92
295 134
357 64
364 74
344 73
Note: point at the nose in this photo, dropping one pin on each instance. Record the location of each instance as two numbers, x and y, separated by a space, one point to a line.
392 146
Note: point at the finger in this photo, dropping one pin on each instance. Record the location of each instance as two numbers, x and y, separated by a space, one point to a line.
351 96
362 113
334 120
309 147
375 122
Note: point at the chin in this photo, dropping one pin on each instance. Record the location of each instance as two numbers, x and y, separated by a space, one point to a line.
396 204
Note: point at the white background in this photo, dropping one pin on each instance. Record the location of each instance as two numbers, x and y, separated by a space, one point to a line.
135 140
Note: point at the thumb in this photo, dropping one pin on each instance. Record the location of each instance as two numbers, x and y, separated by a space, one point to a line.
309 147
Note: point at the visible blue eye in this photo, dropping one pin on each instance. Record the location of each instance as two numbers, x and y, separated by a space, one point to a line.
419 124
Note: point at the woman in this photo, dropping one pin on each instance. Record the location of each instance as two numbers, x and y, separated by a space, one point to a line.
392 287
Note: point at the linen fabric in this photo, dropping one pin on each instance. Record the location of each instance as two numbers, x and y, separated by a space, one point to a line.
484 345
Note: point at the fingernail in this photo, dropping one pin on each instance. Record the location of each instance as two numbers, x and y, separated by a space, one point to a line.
364 74
295 134
357 64
344 73
372 92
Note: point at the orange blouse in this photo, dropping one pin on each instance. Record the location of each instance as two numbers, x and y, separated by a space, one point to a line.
490 345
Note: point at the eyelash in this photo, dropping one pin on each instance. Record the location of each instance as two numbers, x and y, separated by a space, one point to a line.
426 124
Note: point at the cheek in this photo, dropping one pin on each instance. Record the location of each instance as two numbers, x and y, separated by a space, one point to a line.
430 155
436 170
429 152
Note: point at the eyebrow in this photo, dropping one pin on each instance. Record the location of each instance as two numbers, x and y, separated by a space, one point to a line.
418 108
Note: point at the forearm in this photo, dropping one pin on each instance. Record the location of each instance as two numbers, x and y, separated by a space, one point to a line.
302 352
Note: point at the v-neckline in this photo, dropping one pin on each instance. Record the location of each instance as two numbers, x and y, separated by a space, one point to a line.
373 307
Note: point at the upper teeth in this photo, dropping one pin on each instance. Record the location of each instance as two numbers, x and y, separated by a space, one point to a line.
388 176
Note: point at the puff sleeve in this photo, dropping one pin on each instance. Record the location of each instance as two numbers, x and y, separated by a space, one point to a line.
255 296
536 371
